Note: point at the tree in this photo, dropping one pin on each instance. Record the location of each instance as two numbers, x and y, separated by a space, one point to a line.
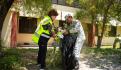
89 11
108 7
69 1
4 7
39 7
91 8
115 10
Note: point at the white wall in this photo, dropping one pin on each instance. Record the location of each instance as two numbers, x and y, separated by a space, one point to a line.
106 40
63 10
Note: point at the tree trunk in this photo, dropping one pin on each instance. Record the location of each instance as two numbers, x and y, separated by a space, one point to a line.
98 37
103 30
104 22
91 35
4 8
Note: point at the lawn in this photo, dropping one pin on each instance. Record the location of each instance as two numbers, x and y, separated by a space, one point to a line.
22 59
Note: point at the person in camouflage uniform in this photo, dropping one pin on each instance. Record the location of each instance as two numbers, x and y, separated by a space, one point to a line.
72 43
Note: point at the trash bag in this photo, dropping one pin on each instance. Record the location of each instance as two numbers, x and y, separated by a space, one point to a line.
68 59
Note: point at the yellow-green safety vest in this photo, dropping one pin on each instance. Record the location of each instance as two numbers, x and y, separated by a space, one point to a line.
40 31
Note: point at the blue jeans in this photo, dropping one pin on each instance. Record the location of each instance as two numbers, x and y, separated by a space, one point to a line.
42 51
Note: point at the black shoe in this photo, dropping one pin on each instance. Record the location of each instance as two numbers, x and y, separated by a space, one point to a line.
38 65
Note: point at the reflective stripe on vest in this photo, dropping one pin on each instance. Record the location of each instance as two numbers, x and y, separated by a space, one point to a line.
44 35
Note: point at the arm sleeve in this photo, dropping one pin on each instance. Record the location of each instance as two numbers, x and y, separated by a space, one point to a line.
50 29
80 30
80 40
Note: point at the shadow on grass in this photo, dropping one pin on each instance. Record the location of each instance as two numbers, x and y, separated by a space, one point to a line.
53 60
105 59
26 59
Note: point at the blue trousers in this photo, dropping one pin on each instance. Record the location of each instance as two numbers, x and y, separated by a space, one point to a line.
42 51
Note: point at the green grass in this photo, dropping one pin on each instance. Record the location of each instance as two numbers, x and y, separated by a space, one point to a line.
103 51
16 58
10 60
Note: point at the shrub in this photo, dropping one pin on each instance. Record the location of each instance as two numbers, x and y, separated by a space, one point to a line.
10 61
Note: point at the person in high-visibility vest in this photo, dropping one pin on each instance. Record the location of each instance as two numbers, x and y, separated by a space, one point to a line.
42 34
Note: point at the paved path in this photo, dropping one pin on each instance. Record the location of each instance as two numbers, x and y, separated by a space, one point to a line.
83 66
93 63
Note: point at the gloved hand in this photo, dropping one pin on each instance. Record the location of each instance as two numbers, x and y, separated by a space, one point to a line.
65 32
60 35
53 34
73 30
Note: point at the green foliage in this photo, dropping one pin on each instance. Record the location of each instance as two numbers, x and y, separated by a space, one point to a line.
14 59
69 1
103 51
91 8
10 60
54 59
39 7
81 15
9 63
115 10
105 8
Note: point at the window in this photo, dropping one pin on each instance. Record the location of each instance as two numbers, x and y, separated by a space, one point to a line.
55 1
27 25
63 2
112 31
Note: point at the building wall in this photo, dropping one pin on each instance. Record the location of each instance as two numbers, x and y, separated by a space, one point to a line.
62 10
119 30
24 38
106 40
